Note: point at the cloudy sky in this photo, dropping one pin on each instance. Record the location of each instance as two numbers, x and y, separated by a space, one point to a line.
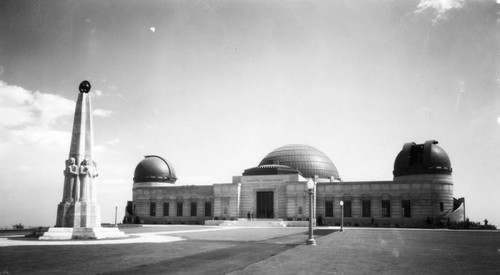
213 86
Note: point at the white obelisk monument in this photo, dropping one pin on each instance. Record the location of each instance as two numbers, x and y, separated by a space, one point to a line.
78 214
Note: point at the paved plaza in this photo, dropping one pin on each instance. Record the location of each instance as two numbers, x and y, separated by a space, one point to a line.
182 249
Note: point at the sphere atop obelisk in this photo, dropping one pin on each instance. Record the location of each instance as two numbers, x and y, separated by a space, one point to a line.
84 87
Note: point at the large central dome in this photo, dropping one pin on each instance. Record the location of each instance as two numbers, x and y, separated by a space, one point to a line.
306 159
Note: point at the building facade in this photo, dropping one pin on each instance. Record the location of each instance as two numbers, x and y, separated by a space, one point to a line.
420 194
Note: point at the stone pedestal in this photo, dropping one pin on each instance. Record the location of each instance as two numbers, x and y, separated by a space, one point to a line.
82 233
78 214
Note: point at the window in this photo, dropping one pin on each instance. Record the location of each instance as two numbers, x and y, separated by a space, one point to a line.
406 208
166 209
329 209
208 209
441 206
386 209
179 209
193 209
367 209
152 209
347 209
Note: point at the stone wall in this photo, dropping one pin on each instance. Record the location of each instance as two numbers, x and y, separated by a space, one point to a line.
297 201
226 200
430 198
175 196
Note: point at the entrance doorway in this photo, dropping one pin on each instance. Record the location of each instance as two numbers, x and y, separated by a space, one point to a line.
265 204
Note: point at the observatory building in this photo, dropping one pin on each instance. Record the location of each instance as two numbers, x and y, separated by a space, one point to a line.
420 193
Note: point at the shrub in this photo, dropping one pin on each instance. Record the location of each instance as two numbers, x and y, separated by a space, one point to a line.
18 226
471 225
319 220
37 232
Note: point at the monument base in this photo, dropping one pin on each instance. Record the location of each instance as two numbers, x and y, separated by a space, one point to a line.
78 214
82 233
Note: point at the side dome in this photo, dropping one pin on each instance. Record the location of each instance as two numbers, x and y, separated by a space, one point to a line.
154 169
308 160
427 158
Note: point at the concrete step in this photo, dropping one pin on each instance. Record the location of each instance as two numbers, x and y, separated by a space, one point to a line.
255 219
92 233
254 223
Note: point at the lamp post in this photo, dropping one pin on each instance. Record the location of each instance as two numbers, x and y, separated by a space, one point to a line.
116 212
310 187
341 216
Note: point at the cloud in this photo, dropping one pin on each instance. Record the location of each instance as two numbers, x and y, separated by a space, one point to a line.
98 93
33 135
99 149
28 119
106 149
436 10
113 141
102 113
23 108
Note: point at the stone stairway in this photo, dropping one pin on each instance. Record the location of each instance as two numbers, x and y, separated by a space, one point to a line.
255 223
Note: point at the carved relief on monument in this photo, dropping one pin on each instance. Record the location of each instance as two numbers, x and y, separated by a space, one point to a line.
93 169
85 180
70 178
93 174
